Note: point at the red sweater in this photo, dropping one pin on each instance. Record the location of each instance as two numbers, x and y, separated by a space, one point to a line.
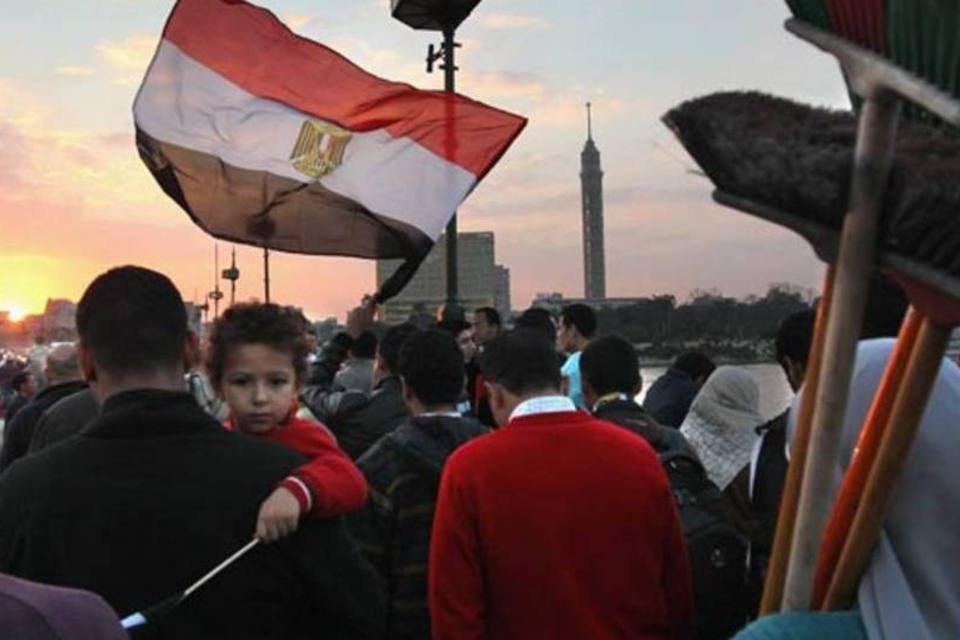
557 526
330 484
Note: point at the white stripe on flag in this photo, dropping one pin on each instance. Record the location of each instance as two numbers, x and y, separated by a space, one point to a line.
184 103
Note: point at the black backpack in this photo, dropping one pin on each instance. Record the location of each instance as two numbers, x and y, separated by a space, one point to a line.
717 550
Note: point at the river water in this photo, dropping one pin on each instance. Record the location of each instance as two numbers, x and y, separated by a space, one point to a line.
775 393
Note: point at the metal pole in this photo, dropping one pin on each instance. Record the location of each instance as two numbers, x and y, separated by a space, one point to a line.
233 281
449 84
216 281
266 275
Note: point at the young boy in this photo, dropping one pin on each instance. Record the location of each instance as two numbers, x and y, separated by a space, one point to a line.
257 361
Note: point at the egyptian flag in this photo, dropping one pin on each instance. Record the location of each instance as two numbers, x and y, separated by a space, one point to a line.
269 139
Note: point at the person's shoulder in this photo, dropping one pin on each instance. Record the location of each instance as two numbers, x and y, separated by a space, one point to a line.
383 462
479 445
63 610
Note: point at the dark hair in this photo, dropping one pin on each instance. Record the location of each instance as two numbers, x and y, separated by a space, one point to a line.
886 308
389 347
431 365
522 360
132 320
610 365
537 319
271 325
365 346
794 337
20 379
491 314
696 364
581 317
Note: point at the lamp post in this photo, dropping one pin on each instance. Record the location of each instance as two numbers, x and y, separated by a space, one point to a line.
444 16
216 295
232 274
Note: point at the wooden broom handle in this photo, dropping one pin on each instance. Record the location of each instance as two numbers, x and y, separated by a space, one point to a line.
876 139
777 569
868 443
907 414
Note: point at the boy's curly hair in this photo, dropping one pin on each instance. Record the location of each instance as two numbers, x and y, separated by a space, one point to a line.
277 327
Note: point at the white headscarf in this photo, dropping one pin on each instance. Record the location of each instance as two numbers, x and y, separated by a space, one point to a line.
912 587
722 421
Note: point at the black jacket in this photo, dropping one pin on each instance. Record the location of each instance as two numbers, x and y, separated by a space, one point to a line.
154 494
358 419
67 417
629 415
19 431
403 470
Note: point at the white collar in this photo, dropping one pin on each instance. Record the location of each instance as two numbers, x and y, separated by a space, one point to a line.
543 404
440 414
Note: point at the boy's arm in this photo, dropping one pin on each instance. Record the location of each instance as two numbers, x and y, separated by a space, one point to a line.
329 484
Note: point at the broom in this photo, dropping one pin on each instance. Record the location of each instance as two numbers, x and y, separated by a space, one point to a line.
817 165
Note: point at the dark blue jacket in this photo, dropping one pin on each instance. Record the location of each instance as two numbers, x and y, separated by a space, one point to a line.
669 399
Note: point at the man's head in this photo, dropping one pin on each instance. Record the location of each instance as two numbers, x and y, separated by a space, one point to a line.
696 365
387 362
792 346
516 366
609 365
25 384
431 368
133 328
486 325
364 347
537 319
578 323
61 364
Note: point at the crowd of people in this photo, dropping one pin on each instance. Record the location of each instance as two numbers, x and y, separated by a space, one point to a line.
458 480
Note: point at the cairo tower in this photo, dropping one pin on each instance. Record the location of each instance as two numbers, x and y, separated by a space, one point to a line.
591 185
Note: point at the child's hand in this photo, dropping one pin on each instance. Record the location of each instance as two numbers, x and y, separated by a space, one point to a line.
279 516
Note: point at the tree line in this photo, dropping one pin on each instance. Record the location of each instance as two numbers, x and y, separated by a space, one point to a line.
724 327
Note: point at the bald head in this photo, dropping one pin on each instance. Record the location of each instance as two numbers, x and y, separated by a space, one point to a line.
61 365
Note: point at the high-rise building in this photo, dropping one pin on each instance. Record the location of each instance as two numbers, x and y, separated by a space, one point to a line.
591 188
501 294
482 283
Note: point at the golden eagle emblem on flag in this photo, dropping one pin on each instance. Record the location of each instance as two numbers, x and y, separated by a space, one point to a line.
319 148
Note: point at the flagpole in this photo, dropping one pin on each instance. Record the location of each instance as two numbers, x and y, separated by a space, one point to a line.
449 85
266 274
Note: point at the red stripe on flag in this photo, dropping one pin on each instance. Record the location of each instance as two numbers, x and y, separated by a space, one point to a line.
251 48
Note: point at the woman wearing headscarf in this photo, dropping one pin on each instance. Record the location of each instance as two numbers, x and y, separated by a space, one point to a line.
911 588
721 427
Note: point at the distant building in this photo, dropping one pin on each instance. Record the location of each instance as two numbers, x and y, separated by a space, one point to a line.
326 329
59 320
554 302
481 282
502 291
591 190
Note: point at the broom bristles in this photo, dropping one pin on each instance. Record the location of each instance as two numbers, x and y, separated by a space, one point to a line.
798 159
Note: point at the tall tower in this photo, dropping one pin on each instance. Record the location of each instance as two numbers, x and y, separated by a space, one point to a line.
591 188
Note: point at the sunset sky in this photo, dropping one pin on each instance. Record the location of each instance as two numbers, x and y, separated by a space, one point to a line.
75 198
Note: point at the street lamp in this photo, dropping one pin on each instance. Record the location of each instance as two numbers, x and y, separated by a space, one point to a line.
444 16
232 274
